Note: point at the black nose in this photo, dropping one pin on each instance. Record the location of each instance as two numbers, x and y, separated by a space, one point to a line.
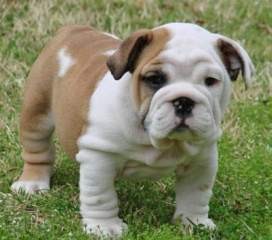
183 106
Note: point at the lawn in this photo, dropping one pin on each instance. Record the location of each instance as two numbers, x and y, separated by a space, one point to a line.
242 201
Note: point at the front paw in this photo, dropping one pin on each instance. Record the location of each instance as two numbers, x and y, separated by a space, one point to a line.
111 228
194 220
30 187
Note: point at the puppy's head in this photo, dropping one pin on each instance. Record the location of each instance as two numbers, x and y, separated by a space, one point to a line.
180 82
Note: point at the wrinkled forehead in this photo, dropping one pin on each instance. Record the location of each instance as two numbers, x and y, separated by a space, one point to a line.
188 45
182 33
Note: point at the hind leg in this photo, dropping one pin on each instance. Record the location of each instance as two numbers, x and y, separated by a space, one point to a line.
36 128
36 123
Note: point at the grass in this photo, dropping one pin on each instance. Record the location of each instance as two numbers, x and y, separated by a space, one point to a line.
242 201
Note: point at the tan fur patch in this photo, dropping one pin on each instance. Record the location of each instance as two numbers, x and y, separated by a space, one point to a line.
71 93
65 99
147 60
35 172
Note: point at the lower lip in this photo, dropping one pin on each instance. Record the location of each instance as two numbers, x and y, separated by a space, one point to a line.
179 131
181 128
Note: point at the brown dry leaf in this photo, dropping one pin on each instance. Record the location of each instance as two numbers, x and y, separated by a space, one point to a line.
265 27
2 125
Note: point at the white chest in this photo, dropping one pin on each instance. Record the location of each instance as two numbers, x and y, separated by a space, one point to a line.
150 163
139 170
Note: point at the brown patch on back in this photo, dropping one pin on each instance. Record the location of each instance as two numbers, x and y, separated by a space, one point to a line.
71 94
66 98
60 102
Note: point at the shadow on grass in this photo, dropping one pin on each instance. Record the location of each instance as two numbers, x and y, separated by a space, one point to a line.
151 202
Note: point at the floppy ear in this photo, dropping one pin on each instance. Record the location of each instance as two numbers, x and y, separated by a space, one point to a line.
235 59
125 57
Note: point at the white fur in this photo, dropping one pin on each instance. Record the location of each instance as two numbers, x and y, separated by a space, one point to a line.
116 144
109 52
65 61
111 35
30 187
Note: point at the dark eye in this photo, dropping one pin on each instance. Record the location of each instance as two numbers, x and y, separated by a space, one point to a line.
155 80
209 81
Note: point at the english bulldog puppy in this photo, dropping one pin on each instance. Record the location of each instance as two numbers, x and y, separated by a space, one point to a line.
143 107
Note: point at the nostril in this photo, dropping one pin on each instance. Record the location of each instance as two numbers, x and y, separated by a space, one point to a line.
183 106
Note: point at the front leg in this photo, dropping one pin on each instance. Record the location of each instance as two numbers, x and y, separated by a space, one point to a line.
194 189
98 198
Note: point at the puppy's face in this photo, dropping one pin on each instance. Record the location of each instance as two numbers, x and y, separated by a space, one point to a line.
181 80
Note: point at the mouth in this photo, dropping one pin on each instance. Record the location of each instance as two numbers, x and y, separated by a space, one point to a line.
181 127
181 132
